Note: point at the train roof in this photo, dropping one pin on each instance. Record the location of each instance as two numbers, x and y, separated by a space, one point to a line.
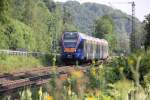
90 38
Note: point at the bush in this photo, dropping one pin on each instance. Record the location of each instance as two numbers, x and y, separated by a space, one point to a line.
117 69
15 35
10 63
145 64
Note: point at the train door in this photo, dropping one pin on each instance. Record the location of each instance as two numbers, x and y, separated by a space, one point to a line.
84 49
104 51
88 50
98 50
101 50
93 51
97 54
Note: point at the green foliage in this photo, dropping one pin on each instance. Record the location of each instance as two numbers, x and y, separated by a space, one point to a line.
84 16
104 28
47 20
51 5
26 95
16 35
67 21
145 64
147 28
104 25
147 84
30 25
97 78
112 41
69 27
117 69
38 94
11 63
120 90
113 81
33 25
133 67
4 10
18 9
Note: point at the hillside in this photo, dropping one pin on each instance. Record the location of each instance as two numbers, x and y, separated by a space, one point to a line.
34 25
85 14
28 25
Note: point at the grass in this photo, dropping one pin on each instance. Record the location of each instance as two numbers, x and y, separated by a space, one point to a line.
14 63
118 80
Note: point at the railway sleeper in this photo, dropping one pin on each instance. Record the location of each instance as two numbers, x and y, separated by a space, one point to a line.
6 75
39 77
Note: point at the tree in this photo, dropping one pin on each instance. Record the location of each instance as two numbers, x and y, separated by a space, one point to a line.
147 28
29 11
104 28
4 9
51 5
68 21
18 9
32 24
104 25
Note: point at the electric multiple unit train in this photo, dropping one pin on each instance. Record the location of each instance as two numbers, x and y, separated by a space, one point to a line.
79 46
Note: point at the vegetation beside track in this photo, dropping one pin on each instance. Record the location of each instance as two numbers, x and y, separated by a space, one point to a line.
121 79
10 63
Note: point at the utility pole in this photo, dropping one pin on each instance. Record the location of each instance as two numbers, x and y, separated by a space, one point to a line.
132 37
52 29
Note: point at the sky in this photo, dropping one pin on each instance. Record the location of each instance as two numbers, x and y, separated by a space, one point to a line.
142 7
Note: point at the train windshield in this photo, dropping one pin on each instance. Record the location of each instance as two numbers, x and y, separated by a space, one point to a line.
70 39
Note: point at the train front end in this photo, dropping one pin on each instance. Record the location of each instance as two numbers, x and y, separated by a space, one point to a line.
70 43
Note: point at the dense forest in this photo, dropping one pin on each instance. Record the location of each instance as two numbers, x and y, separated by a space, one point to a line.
32 25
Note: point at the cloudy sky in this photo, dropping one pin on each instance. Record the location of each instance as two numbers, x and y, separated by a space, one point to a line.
142 7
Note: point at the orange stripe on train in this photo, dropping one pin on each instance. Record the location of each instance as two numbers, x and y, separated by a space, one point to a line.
69 49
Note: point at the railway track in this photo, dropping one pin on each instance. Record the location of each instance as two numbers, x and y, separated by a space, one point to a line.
34 77
37 76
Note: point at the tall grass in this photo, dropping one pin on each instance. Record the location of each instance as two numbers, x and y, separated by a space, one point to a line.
122 79
11 63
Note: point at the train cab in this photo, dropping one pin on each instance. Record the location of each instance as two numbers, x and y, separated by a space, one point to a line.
70 43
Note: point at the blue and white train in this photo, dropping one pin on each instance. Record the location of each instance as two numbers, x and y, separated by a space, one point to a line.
79 46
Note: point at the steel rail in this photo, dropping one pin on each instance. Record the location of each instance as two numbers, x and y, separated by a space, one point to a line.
32 77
